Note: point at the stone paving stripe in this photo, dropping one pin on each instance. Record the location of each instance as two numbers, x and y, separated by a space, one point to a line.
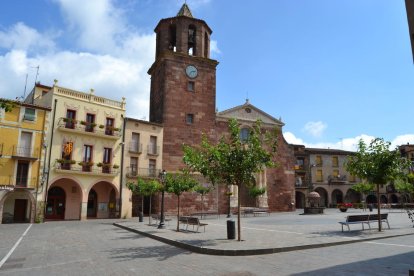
392 244
14 247
249 252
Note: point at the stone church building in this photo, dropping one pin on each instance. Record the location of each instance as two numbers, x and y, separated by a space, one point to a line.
183 100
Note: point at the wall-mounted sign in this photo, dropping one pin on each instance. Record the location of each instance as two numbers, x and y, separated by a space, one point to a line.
7 187
67 148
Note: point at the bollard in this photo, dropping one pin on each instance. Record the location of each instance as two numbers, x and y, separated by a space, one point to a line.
141 217
370 207
231 229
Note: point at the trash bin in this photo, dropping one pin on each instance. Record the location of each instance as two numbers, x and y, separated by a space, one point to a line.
231 229
141 217
370 207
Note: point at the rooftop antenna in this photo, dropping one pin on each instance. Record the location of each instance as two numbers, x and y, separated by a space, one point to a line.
25 85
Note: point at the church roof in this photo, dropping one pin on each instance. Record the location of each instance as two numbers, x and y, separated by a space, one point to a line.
250 113
185 11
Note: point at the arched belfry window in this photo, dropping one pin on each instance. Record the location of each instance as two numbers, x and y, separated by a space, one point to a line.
244 134
191 40
172 37
206 45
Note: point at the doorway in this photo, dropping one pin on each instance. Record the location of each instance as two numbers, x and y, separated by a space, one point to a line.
20 208
92 204
55 208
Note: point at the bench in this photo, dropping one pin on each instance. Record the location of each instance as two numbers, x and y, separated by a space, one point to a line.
156 217
194 221
384 218
255 211
361 219
205 214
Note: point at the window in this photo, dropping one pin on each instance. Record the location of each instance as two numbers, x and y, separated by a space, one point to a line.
335 173
189 119
318 160
70 118
300 162
152 147
67 150
90 122
152 168
107 157
87 158
191 43
22 173
133 166
319 176
135 145
109 126
25 145
191 86
335 162
244 134
29 114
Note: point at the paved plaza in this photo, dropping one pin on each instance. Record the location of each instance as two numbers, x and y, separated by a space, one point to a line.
97 247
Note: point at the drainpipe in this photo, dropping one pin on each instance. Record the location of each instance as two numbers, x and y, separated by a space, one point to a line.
50 153
122 167
43 147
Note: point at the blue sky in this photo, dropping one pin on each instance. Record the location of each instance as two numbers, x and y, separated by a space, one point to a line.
334 71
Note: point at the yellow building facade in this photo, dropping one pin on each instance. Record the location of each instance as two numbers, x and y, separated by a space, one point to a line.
84 152
22 151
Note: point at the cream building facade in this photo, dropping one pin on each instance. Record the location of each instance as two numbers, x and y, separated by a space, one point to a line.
142 155
82 172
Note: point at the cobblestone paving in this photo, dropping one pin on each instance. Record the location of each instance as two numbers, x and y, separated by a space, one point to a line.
96 247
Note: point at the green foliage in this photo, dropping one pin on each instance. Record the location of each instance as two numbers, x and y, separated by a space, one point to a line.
363 188
202 190
7 105
376 162
232 161
403 186
256 191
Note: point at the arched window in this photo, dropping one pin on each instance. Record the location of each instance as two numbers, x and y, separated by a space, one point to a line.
172 46
191 40
206 45
244 134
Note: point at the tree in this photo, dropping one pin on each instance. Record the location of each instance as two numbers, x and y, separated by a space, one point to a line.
202 190
233 161
377 164
7 105
178 184
363 188
145 188
404 187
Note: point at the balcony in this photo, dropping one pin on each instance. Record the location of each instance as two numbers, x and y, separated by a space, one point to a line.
24 153
337 179
135 147
10 183
84 168
90 129
133 172
153 150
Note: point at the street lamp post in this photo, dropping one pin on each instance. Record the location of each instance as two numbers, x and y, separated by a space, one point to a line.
162 178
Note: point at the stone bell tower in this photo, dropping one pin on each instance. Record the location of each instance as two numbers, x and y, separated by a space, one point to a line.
183 84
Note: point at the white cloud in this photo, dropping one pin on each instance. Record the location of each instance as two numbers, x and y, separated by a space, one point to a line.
22 37
214 48
114 61
315 129
402 139
292 139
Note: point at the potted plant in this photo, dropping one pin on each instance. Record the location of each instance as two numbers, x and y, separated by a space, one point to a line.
83 123
115 166
99 164
101 126
61 161
343 207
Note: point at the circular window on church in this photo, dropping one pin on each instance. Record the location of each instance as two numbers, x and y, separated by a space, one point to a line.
248 110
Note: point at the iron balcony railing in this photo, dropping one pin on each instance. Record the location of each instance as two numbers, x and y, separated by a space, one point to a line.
135 147
11 182
25 152
153 150
86 167
142 172
82 126
337 178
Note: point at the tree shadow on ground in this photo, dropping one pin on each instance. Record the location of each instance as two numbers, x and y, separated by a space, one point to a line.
392 265
161 252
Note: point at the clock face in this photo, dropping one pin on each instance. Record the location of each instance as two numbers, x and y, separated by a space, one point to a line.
191 71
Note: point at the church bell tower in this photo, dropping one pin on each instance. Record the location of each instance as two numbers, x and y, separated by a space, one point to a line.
183 84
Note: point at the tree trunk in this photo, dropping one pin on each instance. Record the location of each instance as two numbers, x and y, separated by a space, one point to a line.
379 209
238 213
202 203
178 215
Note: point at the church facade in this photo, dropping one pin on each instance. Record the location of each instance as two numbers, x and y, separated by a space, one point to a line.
183 100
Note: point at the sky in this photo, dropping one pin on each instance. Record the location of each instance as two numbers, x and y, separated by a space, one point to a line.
334 71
